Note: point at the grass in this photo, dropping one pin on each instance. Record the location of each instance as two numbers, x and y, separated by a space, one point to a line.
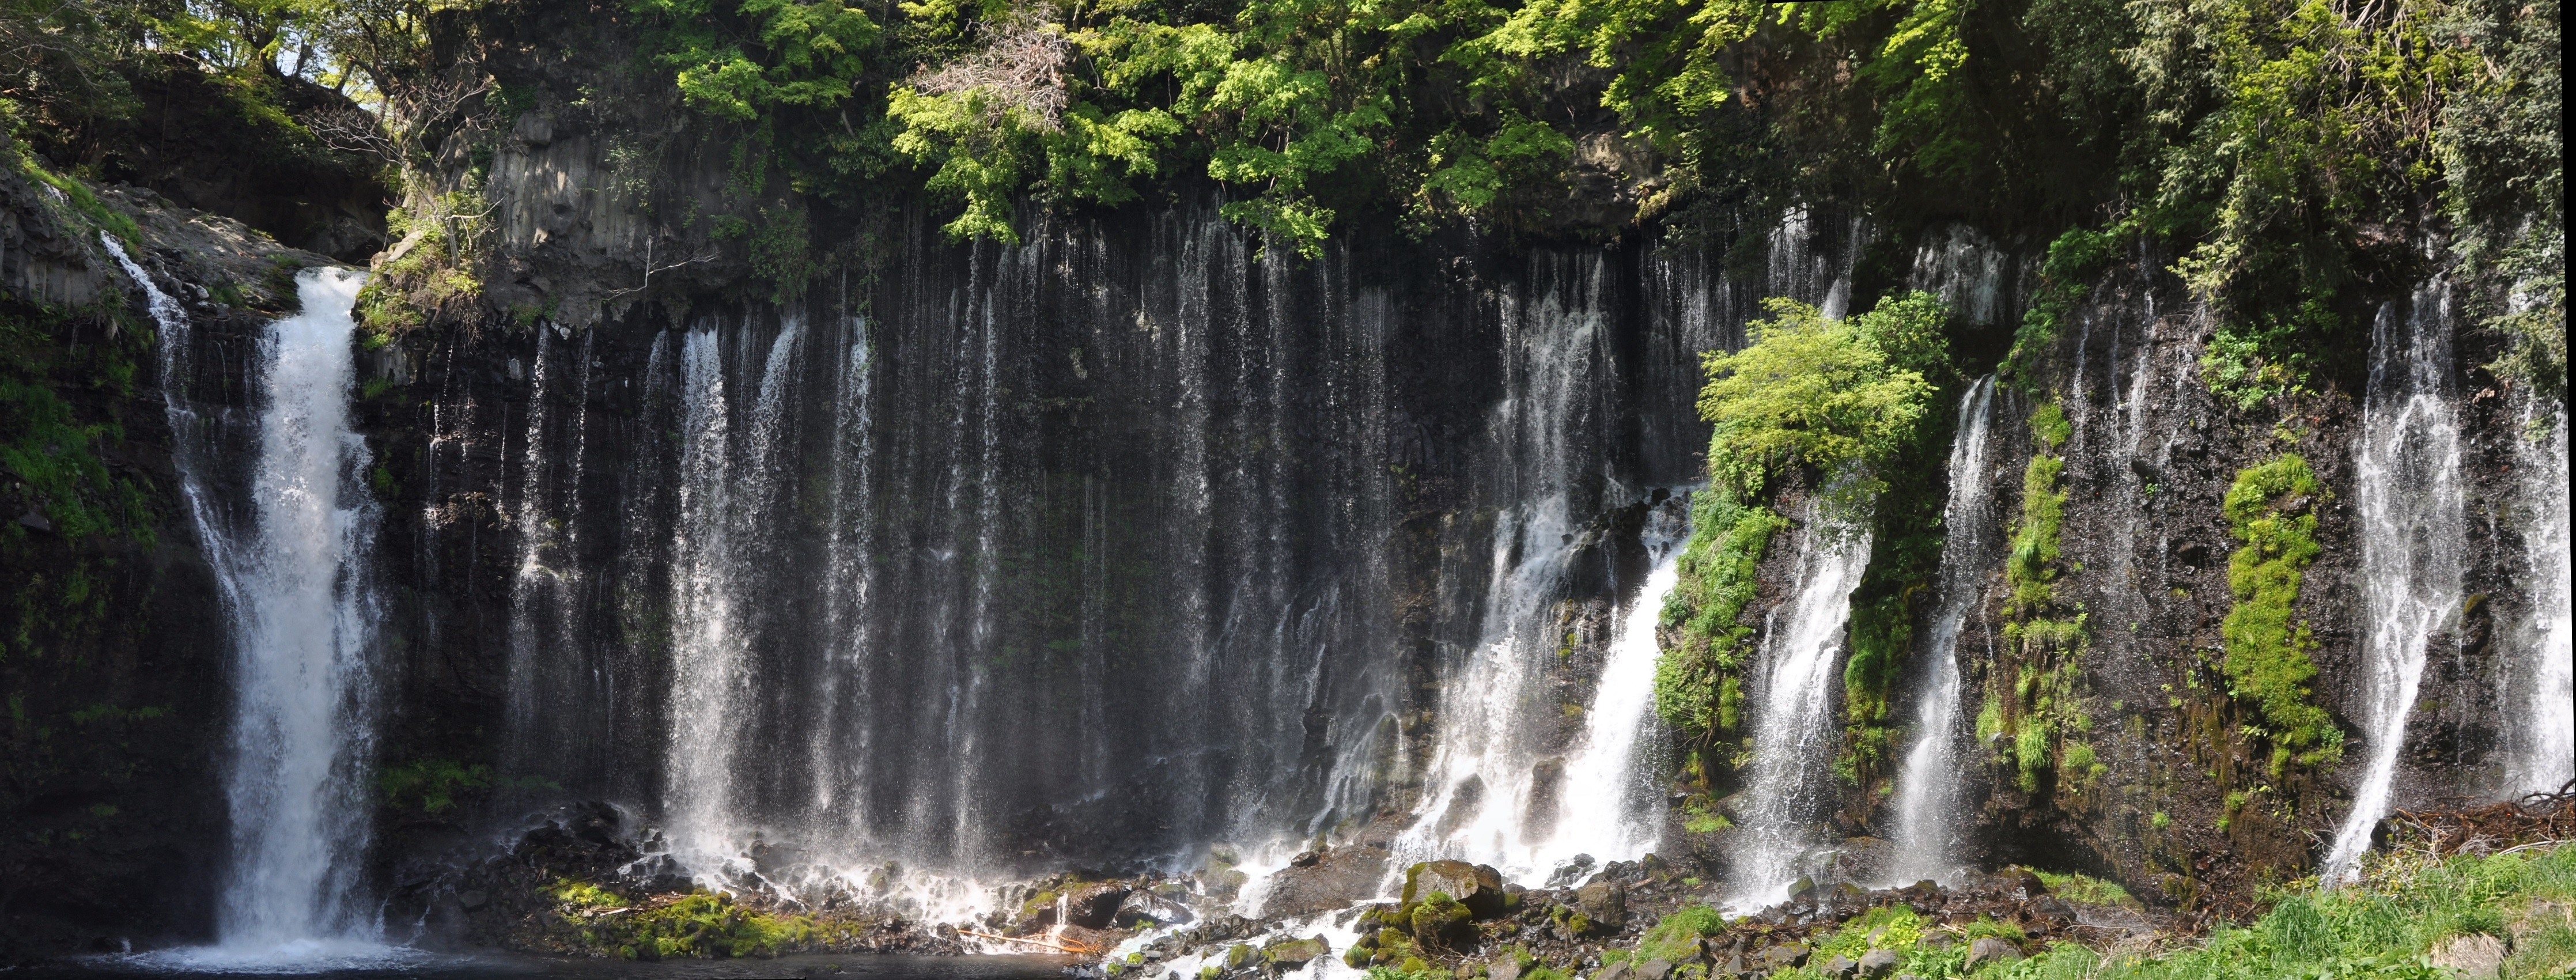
2386 927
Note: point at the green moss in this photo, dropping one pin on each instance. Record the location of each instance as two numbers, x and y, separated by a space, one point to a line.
432 785
2270 509
1675 937
1698 683
2040 663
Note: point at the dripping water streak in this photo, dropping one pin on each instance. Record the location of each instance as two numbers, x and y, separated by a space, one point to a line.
2409 495
1611 807
1794 731
1928 785
2545 746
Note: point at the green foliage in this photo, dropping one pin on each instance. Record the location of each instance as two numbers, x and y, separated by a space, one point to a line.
1813 392
2382 928
1698 677
1675 937
2065 279
737 61
2085 888
2270 508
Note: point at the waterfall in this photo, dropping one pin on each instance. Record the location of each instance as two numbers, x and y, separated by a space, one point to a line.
289 550
2543 737
726 494
1611 805
2407 491
1928 784
1795 723
1488 769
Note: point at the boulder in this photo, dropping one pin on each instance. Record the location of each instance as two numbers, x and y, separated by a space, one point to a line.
1507 968
1615 971
1652 970
1142 907
1604 901
1878 963
2474 957
1475 886
1783 956
1841 968
1334 880
1293 953
1991 950
1095 905
1440 921
2018 884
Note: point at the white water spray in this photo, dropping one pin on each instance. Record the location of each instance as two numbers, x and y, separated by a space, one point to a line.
1610 806
1928 784
294 582
2544 736
2411 504
1796 720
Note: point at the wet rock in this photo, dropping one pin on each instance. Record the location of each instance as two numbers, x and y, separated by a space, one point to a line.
1572 871
2477 957
1143 907
1095 905
2052 910
1991 950
1475 886
1615 971
1878 963
1293 953
1783 956
1652 970
1603 901
1864 859
2018 884
472 899
1336 878
1841 968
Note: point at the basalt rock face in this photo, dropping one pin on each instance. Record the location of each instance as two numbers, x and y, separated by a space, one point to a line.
1096 549
2187 807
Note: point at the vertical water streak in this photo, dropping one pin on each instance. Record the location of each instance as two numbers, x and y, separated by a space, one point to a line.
303 618
2544 734
709 669
841 772
1482 772
1610 805
1794 732
2411 506
1928 784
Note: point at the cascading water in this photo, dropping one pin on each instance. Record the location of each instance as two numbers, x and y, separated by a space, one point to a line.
1610 803
1928 784
294 580
724 489
1795 723
2543 737
1485 773
2411 505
